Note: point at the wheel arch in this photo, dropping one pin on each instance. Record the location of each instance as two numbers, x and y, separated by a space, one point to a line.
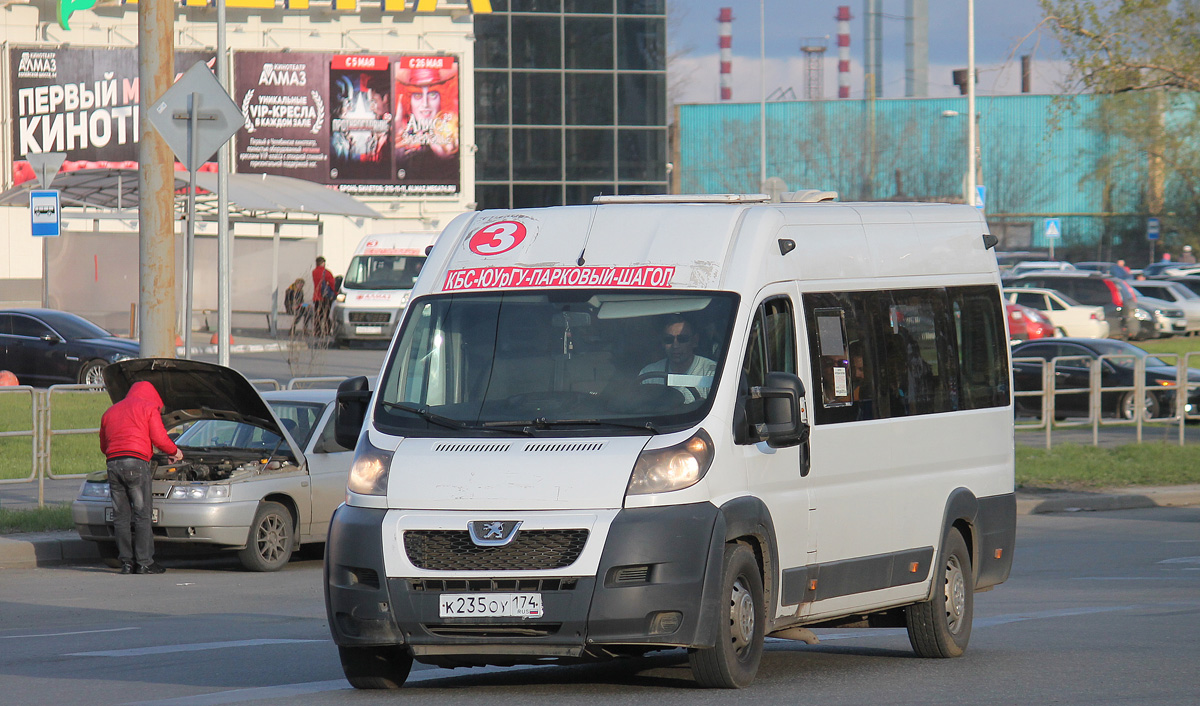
748 519
292 507
961 513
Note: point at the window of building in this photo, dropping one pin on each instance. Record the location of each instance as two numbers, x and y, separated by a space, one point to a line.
536 42
588 42
589 155
537 98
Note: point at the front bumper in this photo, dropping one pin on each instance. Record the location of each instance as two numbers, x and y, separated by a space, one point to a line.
654 585
359 324
218 523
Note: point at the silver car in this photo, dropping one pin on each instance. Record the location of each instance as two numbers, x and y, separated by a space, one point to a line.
261 472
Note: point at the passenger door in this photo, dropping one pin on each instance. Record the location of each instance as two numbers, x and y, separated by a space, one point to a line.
776 476
35 360
328 470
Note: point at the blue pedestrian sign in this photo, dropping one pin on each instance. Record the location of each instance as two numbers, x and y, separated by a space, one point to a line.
1152 228
980 196
1052 228
44 213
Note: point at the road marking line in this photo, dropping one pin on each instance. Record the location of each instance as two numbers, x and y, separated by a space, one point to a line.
61 634
195 647
259 693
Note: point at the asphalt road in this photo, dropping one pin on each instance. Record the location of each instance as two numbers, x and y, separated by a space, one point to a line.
1101 608
301 361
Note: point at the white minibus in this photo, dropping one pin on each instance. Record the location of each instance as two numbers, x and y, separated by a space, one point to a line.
377 286
678 422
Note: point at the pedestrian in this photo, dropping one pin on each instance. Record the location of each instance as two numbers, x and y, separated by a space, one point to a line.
1188 256
1121 264
324 290
129 432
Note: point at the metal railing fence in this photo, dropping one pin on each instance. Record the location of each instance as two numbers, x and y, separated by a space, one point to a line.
41 429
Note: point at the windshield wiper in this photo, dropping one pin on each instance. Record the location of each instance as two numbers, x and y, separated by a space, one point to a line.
543 423
425 414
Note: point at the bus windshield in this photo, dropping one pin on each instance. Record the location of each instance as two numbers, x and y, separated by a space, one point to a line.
383 271
574 362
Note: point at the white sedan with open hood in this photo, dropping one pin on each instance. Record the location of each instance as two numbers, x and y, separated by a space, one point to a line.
261 472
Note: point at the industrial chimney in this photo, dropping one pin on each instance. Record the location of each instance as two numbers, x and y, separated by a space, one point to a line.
725 42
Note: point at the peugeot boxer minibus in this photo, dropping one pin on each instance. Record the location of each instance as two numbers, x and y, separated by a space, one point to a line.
669 422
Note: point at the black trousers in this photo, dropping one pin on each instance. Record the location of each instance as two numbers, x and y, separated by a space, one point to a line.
129 481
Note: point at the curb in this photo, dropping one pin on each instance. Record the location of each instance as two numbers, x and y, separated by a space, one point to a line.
1042 502
28 551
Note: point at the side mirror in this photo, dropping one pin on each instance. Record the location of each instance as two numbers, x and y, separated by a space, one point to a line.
51 338
772 413
353 395
784 424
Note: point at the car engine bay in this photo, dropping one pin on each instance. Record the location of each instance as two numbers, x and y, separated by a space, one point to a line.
223 466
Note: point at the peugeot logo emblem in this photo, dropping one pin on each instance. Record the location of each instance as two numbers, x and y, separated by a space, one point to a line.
492 533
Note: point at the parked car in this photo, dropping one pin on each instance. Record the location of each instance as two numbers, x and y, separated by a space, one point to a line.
1039 266
1170 269
1073 374
1176 295
45 347
1192 282
1025 324
244 483
1108 268
1095 289
1069 317
1169 319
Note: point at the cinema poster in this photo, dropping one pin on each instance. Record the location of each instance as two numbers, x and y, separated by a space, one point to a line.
368 124
82 102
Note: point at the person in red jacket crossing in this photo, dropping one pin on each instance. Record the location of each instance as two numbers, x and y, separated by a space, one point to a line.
129 432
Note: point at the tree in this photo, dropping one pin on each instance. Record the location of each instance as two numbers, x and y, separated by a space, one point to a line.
1143 58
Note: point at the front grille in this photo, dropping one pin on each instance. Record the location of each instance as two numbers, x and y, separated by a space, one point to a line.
492 585
369 317
531 550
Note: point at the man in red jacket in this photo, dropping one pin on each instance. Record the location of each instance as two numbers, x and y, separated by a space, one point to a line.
129 432
324 290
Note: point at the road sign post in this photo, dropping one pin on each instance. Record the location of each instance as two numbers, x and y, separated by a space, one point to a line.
1052 228
194 135
45 166
1153 228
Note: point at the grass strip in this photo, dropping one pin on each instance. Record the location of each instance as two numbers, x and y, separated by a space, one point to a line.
1077 467
38 519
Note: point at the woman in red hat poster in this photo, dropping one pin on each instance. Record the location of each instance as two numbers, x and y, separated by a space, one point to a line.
427 129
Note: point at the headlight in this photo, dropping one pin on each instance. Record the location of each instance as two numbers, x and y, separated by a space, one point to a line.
341 296
673 468
198 492
93 490
369 472
121 356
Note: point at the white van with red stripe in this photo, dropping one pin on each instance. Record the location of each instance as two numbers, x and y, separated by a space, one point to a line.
377 286
679 422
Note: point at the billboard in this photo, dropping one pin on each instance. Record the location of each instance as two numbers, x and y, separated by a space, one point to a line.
368 124
81 102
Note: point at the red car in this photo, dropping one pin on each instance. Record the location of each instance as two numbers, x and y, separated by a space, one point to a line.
1026 324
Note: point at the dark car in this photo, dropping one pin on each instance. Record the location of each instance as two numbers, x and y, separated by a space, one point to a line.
1096 289
1108 268
44 347
1072 374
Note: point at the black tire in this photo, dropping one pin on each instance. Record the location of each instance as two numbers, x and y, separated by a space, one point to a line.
271 541
92 373
741 622
941 627
375 667
108 554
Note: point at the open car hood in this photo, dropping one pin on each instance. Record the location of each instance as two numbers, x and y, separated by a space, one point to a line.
191 389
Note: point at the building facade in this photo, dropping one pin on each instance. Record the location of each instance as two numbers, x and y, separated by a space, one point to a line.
570 101
1039 157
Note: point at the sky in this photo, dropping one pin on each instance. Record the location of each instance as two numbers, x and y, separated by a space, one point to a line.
1004 30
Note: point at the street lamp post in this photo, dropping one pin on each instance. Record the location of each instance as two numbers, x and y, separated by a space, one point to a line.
971 137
